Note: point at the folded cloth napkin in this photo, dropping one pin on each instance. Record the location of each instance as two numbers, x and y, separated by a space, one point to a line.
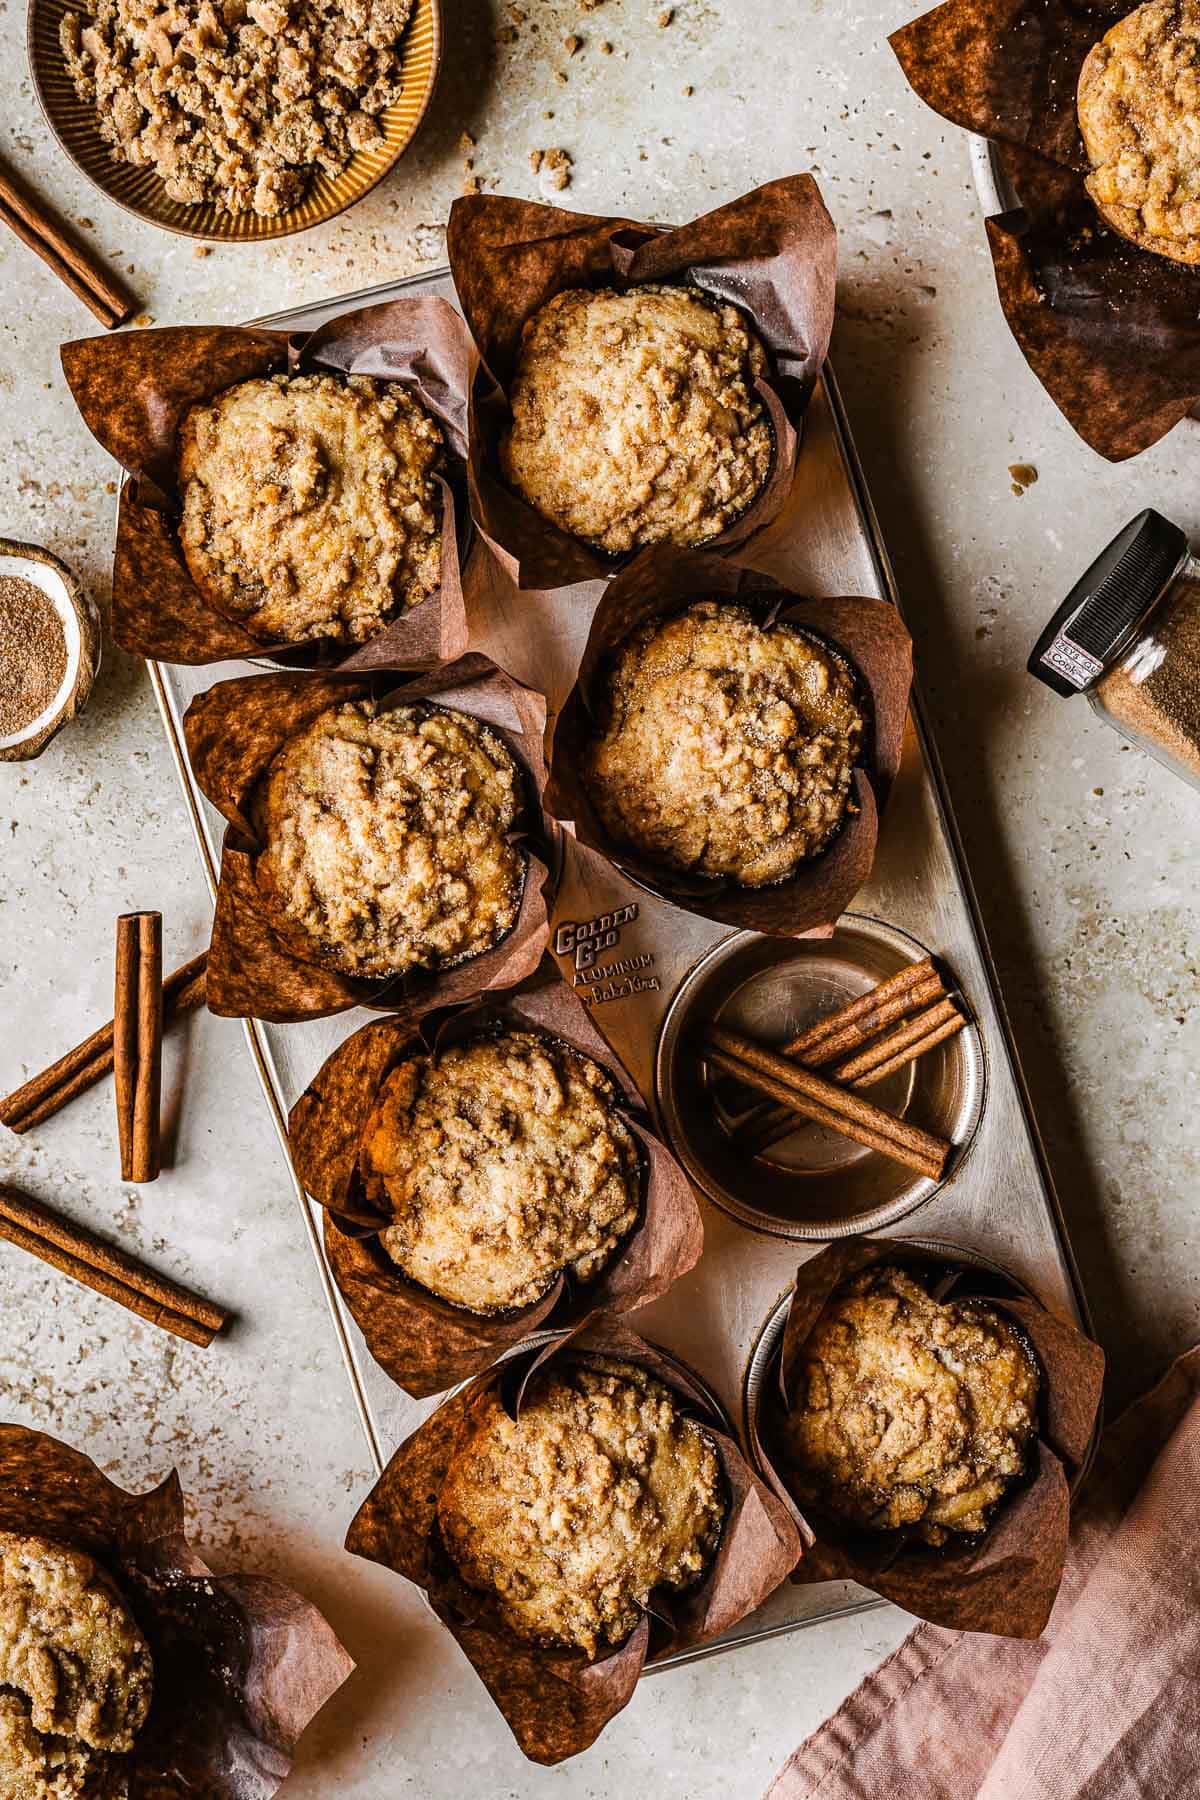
1105 1705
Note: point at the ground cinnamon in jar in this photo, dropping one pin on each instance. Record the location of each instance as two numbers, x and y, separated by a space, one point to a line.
1128 636
33 653
1153 693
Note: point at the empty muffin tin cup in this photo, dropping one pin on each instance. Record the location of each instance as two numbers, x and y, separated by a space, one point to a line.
814 1184
760 1384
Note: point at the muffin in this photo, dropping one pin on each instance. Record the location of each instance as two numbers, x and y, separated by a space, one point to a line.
635 418
387 837
570 1517
727 748
1139 112
310 505
75 1674
503 1163
908 1412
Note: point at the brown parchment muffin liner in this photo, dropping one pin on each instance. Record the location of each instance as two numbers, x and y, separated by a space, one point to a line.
868 632
424 1343
1111 331
260 964
773 253
556 1702
1005 1581
133 391
241 1663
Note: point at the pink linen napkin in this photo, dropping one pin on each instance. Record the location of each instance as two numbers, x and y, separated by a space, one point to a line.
1105 1705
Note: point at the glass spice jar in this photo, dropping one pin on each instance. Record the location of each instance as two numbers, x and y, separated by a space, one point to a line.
1128 636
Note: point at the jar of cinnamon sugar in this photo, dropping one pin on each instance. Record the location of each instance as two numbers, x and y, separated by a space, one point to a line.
1128 636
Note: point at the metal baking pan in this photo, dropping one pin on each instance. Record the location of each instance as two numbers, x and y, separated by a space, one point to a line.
640 964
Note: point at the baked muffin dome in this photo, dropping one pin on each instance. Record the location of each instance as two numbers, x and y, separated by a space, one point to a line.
573 1515
1139 112
310 508
504 1163
76 1674
907 1412
635 418
728 748
386 835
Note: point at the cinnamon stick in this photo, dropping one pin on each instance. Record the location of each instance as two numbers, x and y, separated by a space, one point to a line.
884 1048
137 1043
821 1100
910 1053
853 1023
893 1051
841 1032
46 1093
104 1269
27 215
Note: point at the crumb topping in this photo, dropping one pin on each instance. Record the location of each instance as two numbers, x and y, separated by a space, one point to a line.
728 748
310 505
571 1517
75 1673
1139 112
909 1412
503 1162
387 837
237 103
635 417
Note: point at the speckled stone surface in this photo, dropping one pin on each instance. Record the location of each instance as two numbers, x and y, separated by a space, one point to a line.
1084 852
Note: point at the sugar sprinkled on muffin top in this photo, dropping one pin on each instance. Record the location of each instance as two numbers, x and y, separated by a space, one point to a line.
635 418
728 747
310 506
909 1412
572 1516
503 1163
387 837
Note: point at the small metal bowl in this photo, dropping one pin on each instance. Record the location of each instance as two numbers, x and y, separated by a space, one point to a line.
814 1184
80 621
140 190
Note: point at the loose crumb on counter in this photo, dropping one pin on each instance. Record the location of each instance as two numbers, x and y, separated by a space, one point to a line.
553 169
1023 476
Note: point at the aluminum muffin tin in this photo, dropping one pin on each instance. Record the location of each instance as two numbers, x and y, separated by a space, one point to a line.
648 971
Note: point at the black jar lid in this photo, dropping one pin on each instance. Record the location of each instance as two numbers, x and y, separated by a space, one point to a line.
1102 609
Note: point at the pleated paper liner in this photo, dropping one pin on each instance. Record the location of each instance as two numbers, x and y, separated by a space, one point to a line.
241 1662
141 191
555 1701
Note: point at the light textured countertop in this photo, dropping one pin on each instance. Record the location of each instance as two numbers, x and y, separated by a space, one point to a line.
1084 852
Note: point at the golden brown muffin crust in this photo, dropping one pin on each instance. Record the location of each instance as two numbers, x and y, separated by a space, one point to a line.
386 837
503 1163
602 1492
635 418
909 1412
728 749
75 1672
1139 112
310 508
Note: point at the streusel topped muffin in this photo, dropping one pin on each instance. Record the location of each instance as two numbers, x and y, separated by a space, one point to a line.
504 1163
727 747
909 1412
76 1674
635 418
387 837
310 505
571 1516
